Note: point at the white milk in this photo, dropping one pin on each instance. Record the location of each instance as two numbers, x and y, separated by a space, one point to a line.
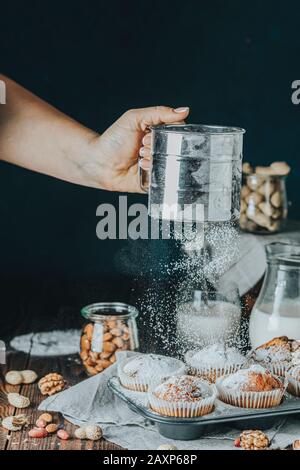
202 326
267 323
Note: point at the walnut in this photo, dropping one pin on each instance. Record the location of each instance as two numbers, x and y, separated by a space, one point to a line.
52 383
254 440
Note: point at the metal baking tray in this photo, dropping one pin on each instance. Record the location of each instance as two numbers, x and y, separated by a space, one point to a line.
186 429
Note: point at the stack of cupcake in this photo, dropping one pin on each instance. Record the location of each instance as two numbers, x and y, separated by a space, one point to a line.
170 391
257 381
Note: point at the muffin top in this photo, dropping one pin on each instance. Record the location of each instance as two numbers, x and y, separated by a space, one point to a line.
295 346
148 366
281 349
254 379
216 355
295 372
185 388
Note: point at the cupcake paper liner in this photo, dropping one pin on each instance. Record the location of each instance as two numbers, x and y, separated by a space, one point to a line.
183 409
277 368
211 373
249 399
139 384
293 386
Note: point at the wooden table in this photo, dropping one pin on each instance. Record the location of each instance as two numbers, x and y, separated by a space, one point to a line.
72 371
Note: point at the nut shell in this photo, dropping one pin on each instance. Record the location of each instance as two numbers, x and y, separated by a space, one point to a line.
29 376
80 433
17 400
93 432
14 377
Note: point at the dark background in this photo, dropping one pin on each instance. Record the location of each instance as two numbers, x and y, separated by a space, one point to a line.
231 61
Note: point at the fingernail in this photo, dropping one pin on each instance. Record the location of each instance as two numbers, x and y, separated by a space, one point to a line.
145 164
147 139
142 152
181 110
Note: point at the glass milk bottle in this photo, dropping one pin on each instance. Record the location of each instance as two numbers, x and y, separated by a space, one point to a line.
277 309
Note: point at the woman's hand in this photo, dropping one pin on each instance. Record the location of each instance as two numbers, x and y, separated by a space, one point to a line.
129 137
37 136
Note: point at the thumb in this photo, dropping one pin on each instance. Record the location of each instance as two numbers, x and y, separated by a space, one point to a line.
155 115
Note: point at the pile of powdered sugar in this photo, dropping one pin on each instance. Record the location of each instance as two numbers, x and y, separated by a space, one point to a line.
50 343
241 377
149 366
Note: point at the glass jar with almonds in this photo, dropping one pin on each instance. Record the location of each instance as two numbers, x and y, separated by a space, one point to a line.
110 327
264 198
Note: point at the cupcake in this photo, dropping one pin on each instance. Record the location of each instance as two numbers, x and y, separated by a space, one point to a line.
184 396
214 361
277 354
254 387
293 378
138 372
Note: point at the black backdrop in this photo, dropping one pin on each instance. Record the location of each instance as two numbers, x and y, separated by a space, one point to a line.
231 61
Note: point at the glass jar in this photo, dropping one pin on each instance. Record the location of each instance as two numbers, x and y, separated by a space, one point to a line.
263 203
277 309
209 317
195 175
110 327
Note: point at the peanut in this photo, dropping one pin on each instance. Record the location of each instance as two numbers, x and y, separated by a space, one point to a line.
113 358
276 199
107 337
281 168
116 331
112 324
88 330
109 347
105 363
105 355
52 427
38 433
118 342
85 343
62 434
46 417
41 423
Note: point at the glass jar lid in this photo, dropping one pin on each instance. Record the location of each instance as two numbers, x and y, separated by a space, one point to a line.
101 311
